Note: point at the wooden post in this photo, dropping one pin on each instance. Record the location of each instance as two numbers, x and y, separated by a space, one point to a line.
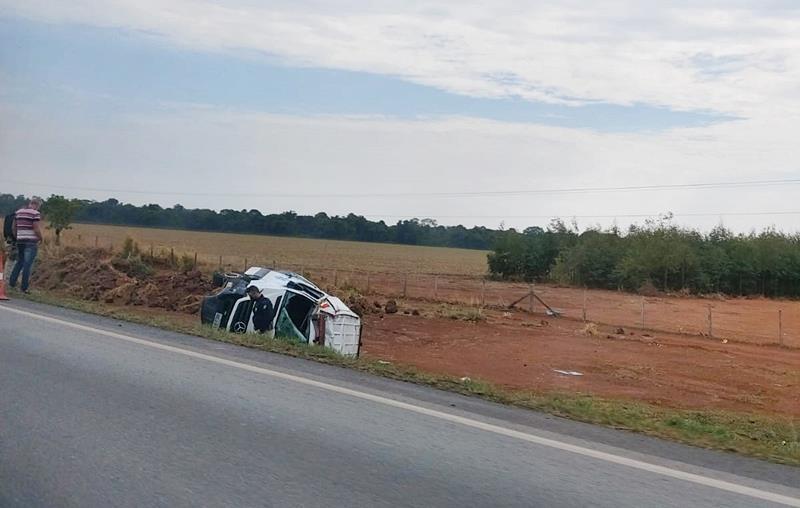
584 304
780 327
710 323
530 301
245 265
483 293
405 285
642 312
335 278
302 271
96 241
435 287
369 283
172 255
151 252
194 267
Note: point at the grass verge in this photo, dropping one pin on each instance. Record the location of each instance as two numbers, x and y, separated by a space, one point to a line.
768 437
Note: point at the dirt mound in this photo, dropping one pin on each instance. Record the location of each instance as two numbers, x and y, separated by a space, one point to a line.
95 275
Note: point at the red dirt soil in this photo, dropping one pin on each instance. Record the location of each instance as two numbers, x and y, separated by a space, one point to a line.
517 350
753 320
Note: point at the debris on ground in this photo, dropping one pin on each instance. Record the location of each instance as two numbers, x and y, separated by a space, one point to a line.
568 372
390 307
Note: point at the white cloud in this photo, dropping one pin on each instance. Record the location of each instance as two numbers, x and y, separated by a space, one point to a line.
202 150
737 57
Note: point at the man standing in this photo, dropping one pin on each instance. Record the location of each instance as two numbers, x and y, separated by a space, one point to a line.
263 312
27 232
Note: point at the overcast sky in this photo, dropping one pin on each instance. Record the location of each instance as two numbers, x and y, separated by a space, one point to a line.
399 109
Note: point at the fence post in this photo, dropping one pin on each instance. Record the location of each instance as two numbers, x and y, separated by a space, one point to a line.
335 278
369 282
435 287
220 262
780 327
584 304
530 299
245 265
483 293
151 252
405 285
710 322
96 241
194 267
643 312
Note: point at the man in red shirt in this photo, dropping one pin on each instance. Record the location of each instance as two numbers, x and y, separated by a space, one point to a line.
28 234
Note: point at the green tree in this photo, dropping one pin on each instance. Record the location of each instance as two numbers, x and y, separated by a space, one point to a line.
60 212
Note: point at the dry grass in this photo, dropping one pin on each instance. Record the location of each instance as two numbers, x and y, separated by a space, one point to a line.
294 253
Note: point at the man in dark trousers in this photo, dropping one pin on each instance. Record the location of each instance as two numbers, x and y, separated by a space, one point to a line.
263 312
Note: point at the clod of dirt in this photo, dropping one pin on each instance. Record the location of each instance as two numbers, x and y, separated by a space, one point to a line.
359 304
407 312
415 312
590 329
391 307
620 331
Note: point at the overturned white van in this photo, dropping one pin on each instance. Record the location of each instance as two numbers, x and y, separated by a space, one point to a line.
302 311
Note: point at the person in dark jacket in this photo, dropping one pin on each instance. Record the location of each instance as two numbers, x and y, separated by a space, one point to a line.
263 312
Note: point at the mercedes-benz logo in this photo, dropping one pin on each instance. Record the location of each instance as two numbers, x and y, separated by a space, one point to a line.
239 327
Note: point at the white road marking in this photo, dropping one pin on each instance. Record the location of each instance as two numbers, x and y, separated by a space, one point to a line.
468 422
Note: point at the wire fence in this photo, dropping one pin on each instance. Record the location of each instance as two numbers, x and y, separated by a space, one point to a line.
758 321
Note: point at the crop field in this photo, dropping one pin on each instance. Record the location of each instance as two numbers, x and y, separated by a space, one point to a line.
294 253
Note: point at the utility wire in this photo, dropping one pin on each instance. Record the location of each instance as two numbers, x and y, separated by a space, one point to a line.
519 192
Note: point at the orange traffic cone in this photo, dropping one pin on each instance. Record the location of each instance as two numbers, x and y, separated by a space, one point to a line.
2 277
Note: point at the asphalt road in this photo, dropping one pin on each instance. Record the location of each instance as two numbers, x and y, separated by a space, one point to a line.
95 413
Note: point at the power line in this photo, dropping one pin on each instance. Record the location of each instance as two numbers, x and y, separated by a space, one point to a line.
519 192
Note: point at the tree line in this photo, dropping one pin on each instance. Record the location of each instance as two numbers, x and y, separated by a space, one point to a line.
658 254
350 227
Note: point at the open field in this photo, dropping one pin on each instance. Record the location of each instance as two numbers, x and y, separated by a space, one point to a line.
287 252
457 276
